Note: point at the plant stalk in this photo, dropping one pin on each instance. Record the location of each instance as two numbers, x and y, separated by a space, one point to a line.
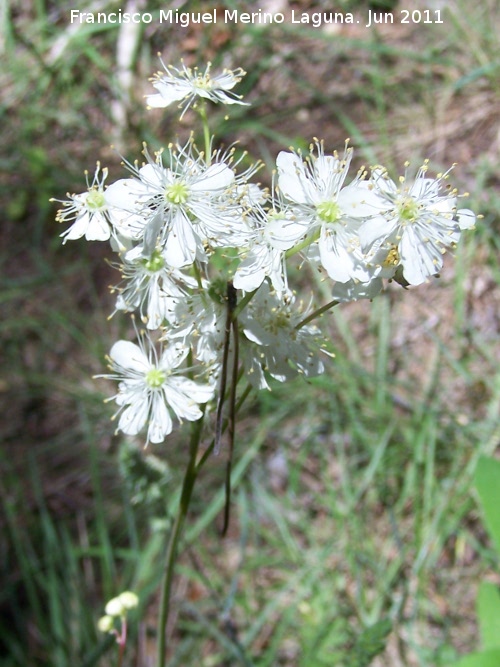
173 544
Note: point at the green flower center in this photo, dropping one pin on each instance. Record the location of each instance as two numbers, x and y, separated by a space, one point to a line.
281 322
154 263
95 200
407 209
275 216
328 211
155 378
177 193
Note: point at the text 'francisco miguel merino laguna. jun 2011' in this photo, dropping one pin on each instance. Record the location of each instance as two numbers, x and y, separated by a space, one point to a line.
234 16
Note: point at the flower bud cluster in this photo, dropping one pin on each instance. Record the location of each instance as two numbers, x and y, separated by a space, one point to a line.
117 608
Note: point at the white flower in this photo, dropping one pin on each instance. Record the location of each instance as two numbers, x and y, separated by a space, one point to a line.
150 386
106 624
199 321
129 222
274 232
186 84
274 342
151 287
417 217
332 212
186 206
91 211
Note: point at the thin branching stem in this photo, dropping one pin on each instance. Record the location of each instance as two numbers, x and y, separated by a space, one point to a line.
319 311
238 405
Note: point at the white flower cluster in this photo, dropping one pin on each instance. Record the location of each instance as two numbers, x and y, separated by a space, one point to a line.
190 230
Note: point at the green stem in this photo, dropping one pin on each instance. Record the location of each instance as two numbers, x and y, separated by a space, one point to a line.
242 303
206 133
173 544
305 243
197 275
317 313
190 476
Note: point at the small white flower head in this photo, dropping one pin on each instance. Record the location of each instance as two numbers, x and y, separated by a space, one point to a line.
152 288
186 204
274 230
275 344
89 210
151 386
200 320
332 212
114 608
186 85
106 624
129 600
417 218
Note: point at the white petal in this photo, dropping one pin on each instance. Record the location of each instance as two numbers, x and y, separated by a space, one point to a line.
466 218
119 194
257 333
283 234
353 290
134 417
98 229
181 243
225 80
77 229
126 193
383 183
255 374
248 277
292 179
168 93
445 206
160 421
153 178
151 231
326 167
341 265
129 356
425 188
359 201
216 177
253 269
419 260
173 355
375 229
130 390
160 306
183 396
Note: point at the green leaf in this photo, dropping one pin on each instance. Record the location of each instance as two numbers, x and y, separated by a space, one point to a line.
485 659
487 481
370 643
488 611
